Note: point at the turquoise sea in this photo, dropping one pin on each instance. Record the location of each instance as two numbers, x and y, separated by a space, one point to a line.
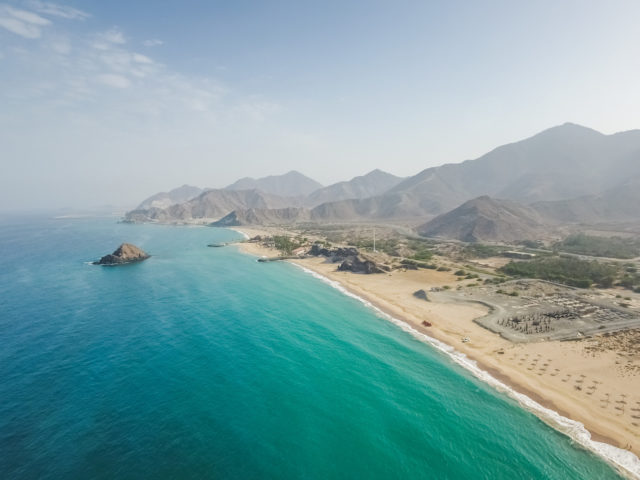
202 363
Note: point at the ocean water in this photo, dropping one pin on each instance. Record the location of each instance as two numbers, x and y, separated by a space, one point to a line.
203 363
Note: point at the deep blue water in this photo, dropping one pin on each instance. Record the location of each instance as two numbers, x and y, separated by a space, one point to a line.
203 363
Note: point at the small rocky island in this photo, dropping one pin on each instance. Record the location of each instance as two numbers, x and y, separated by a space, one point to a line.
124 254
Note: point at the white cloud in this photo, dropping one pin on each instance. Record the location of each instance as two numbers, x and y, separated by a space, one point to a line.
141 58
154 42
106 40
26 16
121 61
113 80
56 10
65 97
21 22
114 36
97 77
20 28
60 45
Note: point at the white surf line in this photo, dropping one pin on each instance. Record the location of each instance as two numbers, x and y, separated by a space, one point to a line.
246 237
623 460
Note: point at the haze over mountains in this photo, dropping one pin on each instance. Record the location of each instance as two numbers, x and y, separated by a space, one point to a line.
212 204
567 173
373 183
291 184
166 199
486 219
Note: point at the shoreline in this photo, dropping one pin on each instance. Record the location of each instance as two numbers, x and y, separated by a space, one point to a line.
590 434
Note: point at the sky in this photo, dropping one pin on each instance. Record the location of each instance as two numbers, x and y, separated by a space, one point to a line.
109 102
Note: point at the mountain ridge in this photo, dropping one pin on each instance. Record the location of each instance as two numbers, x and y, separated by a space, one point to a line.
485 219
181 194
211 204
290 184
561 163
368 185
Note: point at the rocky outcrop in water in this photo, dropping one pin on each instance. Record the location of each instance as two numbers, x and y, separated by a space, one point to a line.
124 254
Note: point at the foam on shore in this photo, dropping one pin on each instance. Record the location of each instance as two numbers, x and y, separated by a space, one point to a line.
246 237
624 461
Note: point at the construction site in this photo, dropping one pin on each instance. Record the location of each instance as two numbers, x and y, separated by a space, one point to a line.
535 310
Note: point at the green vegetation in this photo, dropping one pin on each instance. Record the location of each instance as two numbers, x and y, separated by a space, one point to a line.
567 270
388 246
409 262
482 251
480 270
422 249
532 244
412 264
630 281
422 255
614 247
285 244
513 293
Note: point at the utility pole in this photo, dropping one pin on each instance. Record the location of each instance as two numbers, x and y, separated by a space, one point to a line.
374 239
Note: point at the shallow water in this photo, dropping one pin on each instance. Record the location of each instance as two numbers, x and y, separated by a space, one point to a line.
203 363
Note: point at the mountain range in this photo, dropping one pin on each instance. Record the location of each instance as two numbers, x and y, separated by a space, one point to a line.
166 199
373 183
486 219
567 173
560 163
291 184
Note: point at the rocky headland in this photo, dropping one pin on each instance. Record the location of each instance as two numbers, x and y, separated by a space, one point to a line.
351 259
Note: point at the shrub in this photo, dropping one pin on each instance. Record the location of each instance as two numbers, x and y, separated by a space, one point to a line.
567 270
614 247
482 251
285 244
422 255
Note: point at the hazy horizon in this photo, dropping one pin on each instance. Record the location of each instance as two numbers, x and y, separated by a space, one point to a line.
110 103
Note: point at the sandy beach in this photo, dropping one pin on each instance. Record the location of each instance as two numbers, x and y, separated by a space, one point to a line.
593 381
